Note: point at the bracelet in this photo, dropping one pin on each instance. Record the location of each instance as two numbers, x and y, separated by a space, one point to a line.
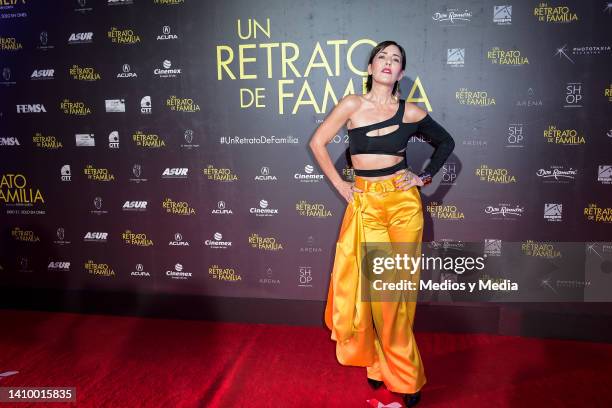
425 178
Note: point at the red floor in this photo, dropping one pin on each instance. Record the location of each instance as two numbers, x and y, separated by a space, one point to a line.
135 362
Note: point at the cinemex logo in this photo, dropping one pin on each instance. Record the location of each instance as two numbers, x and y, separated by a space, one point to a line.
59 266
135 206
178 240
34 108
9 141
217 242
167 34
308 176
178 272
167 71
80 38
39 74
263 210
126 72
96 237
176 172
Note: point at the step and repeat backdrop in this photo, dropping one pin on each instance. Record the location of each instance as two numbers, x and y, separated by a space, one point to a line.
161 146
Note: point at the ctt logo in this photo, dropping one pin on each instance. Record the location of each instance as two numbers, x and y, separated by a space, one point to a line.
135 206
34 108
66 174
175 172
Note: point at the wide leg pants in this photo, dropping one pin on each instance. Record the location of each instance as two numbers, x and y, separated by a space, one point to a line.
375 334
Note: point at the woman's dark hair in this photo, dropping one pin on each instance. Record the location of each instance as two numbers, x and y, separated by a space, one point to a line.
379 47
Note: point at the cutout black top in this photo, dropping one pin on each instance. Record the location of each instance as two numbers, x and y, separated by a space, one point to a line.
395 142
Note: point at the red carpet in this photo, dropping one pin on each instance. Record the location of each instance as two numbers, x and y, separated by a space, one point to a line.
135 362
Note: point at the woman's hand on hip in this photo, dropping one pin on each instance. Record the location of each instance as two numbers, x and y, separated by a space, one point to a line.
347 189
407 181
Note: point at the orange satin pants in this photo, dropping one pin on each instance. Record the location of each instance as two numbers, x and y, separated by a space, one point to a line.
375 334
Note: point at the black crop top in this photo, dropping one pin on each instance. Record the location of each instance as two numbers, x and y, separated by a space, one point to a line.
395 143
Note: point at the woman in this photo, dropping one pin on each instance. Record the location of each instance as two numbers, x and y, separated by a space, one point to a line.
384 205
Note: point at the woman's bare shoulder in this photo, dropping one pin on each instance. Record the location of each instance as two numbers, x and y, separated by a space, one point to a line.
412 113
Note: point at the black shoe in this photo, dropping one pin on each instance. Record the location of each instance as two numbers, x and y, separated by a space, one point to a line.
410 400
375 384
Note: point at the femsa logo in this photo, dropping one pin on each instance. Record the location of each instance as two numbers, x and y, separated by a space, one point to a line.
35 108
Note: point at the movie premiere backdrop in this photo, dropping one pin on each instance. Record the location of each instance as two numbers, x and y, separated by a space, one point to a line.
161 146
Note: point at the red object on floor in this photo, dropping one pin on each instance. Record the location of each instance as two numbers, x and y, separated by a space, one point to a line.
141 362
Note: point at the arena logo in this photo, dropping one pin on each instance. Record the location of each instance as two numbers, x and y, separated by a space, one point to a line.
305 276
557 174
502 15
257 241
75 108
140 271
540 249
553 212
515 136
554 14
567 137
269 278
595 213
61 266
114 105
530 101
167 71
137 173
573 95
474 97
10 44
97 204
9 141
123 36
175 172
14 190
84 73
308 176
223 274
444 211
504 211
455 57
148 140
179 273
95 237
113 140
217 242
145 105
167 34
263 210
120 2
453 16
492 247
219 174
178 207
498 176
188 137
60 233
82 7
221 209
126 72
99 269
85 139
31 108
41 74
6 77
24 235
178 240
135 206
604 174
265 175
66 173
182 104
498 56
310 247
95 174
136 239
314 210
43 39
81 38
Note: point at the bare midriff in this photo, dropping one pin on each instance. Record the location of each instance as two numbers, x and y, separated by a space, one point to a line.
376 161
